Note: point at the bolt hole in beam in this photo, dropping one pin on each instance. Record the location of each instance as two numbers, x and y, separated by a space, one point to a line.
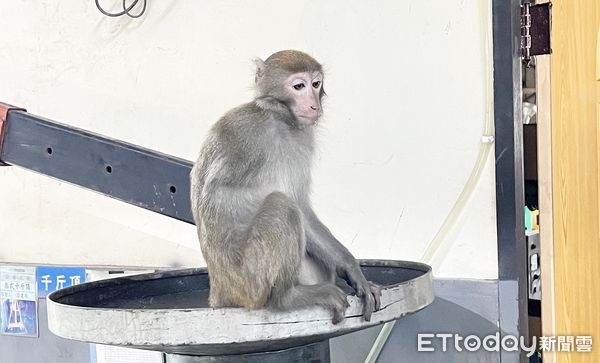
29 142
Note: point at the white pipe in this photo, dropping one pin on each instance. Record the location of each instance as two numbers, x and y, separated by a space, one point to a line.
485 148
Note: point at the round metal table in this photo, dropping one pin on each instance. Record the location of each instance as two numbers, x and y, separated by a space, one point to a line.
168 312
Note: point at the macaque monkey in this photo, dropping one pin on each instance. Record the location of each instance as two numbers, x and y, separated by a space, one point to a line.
250 191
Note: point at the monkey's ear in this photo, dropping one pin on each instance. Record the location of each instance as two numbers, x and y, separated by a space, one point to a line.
322 93
260 69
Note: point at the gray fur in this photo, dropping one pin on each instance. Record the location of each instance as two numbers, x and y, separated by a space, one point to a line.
262 242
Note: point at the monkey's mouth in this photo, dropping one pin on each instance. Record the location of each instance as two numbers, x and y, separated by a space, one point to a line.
308 120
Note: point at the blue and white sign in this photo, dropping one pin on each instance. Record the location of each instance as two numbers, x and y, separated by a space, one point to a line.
50 279
18 301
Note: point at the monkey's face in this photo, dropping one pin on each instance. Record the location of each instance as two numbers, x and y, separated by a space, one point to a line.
305 90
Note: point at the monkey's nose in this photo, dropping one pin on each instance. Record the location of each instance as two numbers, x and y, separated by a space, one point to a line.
314 108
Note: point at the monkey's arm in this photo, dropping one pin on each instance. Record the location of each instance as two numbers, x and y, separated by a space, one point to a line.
322 245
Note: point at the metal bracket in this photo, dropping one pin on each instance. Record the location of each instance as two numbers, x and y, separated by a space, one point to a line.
130 173
536 24
4 109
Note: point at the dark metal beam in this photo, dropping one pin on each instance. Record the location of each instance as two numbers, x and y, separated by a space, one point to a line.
512 248
139 176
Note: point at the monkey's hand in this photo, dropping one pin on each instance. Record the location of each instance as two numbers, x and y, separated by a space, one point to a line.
368 291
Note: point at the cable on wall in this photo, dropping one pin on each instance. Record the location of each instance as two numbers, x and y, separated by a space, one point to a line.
127 9
485 148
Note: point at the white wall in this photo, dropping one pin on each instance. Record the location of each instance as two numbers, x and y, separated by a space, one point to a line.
404 118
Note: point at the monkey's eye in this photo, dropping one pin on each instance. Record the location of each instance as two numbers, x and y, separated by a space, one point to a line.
298 86
316 84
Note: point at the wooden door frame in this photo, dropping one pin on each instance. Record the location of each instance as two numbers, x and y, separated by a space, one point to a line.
544 164
544 142
548 261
